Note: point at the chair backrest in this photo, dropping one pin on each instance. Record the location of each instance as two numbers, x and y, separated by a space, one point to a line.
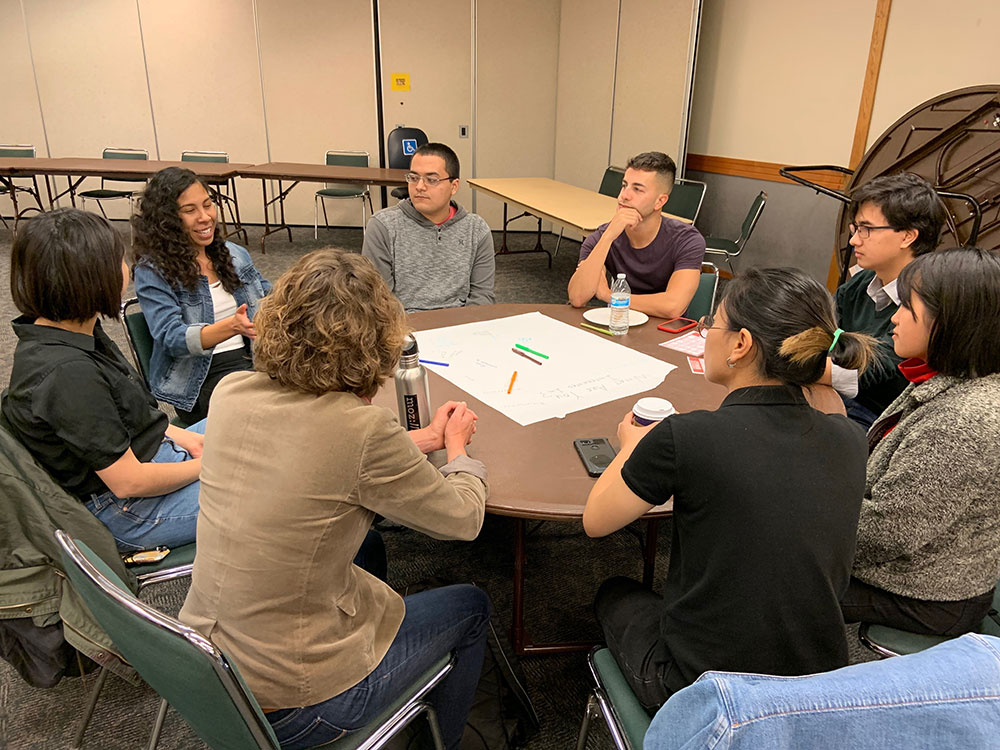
138 154
347 159
181 665
703 302
685 199
214 157
17 151
402 142
140 340
756 209
611 183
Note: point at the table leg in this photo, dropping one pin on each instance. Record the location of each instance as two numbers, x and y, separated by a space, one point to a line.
649 552
280 200
281 207
522 642
267 222
504 250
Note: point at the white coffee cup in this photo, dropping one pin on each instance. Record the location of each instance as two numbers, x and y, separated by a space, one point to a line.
650 410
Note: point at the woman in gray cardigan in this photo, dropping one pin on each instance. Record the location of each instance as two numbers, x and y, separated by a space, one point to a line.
928 551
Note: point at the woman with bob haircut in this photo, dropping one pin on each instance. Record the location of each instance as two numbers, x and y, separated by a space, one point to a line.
298 462
76 403
766 493
928 554
198 293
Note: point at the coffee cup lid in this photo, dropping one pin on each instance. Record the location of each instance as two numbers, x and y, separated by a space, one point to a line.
653 408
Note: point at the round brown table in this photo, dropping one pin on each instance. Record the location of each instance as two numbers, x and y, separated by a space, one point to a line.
534 471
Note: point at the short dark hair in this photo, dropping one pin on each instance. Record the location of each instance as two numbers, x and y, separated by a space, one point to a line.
907 201
960 289
445 152
67 265
791 318
655 161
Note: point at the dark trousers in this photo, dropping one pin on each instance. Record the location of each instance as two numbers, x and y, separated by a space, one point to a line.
629 615
222 364
865 603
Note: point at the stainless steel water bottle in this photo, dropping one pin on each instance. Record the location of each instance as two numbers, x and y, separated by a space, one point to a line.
412 391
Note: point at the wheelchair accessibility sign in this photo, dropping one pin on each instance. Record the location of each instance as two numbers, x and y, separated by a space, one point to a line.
409 146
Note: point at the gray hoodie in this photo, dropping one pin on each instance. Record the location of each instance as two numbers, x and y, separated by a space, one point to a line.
429 266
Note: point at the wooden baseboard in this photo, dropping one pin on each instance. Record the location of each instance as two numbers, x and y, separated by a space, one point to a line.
757 170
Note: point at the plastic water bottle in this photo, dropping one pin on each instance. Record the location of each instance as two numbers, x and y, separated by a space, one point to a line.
620 298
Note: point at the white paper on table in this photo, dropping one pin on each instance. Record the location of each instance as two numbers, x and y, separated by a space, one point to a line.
583 369
690 343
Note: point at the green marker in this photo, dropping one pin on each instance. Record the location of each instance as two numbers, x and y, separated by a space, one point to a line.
532 351
605 331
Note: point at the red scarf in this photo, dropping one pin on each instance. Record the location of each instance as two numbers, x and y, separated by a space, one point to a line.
916 370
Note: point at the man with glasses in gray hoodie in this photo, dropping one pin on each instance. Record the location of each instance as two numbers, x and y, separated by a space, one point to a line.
432 252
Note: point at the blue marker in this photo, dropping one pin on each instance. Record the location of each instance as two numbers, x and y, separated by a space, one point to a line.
431 362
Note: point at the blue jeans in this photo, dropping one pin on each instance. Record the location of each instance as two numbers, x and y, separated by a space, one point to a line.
945 697
146 522
449 619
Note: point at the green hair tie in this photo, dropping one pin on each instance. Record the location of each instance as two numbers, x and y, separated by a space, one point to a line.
836 338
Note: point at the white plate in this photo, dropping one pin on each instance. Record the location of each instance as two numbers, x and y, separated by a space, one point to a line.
602 316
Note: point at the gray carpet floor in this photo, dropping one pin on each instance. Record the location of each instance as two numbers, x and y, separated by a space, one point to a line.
564 566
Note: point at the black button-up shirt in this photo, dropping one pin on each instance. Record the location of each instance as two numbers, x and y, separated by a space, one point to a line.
78 405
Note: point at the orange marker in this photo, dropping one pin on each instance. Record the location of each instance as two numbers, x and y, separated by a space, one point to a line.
512 379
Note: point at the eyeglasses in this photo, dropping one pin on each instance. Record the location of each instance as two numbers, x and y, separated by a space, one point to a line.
705 325
864 230
430 180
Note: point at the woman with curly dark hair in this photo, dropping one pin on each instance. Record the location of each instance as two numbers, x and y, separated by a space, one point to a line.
199 293
297 463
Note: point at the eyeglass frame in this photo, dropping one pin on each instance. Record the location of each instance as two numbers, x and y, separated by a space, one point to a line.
705 325
864 230
412 178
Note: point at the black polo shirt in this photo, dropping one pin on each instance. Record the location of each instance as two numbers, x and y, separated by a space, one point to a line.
767 492
78 405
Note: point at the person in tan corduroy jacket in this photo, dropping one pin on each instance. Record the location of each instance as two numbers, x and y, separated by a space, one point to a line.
297 463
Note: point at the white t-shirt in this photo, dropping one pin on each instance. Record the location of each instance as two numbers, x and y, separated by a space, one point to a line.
224 305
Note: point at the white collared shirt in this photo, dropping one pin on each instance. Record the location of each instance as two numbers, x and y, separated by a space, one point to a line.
845 381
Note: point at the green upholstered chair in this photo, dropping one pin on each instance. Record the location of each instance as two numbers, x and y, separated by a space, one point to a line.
223 191
341 192
731 248
886 641
199 680
627 720
11 188
685 199
104 193
703 302
140 340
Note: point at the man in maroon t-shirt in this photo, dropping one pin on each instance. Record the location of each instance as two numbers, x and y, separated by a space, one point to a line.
660 257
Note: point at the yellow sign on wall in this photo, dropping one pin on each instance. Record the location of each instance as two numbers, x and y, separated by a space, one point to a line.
400 81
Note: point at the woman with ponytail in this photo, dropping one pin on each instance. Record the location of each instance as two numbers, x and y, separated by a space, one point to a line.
766 494
928 553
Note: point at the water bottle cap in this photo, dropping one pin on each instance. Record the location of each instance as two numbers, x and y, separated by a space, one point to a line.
409 345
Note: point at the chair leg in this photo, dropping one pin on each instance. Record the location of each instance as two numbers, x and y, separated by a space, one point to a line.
432 723
154 738
89 710
556 251
315 217
588 715
326 219
362 216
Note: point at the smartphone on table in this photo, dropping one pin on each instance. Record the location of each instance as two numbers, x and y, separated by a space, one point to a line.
596 454
676 325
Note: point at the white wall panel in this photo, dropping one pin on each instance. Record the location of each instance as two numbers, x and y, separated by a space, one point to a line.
88 59
319 84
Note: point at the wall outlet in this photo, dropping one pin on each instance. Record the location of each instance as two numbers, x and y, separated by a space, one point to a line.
463 131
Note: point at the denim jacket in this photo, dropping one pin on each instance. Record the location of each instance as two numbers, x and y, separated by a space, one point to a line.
945 697
179 365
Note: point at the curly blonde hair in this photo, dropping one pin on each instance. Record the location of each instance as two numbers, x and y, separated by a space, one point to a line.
331 324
